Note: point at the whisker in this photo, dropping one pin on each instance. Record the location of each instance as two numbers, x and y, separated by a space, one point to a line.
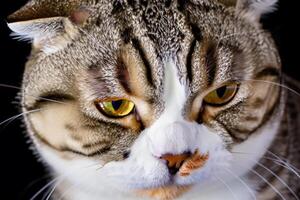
280 180
32 184
9 120
43 188
227 186
288 166
279 162
276 176
276 84
23 92
67 191
293 168
48 196
267 182
59 180
243 182
75 185
46 193
10 86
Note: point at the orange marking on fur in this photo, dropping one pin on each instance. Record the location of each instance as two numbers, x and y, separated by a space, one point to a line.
176 160
196 161
164 193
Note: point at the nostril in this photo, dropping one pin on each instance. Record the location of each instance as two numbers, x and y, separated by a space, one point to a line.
173 170
126 154
174 162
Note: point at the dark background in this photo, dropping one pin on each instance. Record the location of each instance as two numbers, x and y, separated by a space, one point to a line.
21 175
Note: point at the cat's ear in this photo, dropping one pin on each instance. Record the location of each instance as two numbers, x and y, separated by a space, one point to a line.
254 9
49 24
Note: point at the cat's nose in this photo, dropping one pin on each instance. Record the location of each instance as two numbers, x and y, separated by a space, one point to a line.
174 162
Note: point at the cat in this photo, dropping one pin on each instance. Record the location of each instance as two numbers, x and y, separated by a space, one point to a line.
158 99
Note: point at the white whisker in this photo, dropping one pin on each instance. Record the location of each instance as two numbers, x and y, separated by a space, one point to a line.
54 187
227 186
276 176
10 86
243 182
9 120
43 188
279 162
276 84
280 180
267 182
290 166
24 93
59 179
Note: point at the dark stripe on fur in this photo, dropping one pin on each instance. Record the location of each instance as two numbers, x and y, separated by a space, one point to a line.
274 109
136 44
49 97
126 35
211 63
95 153
233 136
181 4
238 134
189 61
123 76
196 32
270 71
117 7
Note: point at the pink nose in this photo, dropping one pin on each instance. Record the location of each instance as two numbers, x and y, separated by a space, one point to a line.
174 162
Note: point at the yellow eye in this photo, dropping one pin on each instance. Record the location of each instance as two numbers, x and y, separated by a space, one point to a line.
222 95
116 108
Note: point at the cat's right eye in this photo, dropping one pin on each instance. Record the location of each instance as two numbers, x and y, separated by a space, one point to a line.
221 95
116 108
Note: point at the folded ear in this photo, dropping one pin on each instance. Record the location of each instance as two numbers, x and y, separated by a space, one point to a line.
49 24
251 9
254 9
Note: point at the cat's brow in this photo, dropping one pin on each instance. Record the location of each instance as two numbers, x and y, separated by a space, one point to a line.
268 71
53 96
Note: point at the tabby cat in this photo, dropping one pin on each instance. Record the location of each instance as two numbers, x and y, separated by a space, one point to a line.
158 99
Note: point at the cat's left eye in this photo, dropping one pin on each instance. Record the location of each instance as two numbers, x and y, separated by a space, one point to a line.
116 108
221 95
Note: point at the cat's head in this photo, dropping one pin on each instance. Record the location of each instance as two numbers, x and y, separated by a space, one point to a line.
150 97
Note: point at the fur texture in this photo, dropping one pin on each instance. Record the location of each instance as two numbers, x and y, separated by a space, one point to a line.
165 57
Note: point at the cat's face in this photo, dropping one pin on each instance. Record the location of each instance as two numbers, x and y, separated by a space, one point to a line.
140 86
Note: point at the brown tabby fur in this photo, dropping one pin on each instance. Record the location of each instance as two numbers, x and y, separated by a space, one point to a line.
105 49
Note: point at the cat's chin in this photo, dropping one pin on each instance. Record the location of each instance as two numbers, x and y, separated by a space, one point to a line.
164 192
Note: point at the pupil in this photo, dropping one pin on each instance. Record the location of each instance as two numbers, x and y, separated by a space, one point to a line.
117 104
221 91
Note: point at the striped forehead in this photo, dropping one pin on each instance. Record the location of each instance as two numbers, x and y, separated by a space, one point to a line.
159 30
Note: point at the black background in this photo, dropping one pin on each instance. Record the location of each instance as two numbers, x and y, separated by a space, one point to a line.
21 175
